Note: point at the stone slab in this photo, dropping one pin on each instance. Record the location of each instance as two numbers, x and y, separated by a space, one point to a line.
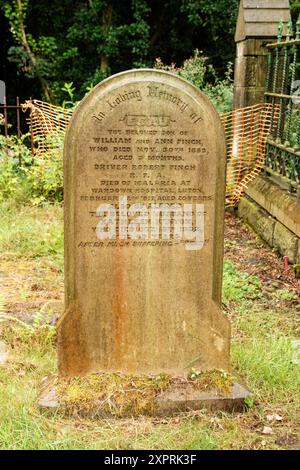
251 47
258 219
278 202
286 242
270 230
174 400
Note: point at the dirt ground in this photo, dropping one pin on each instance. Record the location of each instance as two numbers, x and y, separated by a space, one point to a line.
251 255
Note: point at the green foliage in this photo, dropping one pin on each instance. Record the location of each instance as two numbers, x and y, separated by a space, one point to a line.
221 92
29 178
83 41
34 56
32 232
45 177
197 71
193 69
69 90
285 294
12 177
239 286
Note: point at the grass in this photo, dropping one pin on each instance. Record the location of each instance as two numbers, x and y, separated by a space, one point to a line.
262 331
34 232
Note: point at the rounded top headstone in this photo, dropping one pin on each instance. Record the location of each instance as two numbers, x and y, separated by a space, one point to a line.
144 169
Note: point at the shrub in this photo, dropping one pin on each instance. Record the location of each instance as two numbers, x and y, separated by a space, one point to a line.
12 176
38 178
203 76
45 175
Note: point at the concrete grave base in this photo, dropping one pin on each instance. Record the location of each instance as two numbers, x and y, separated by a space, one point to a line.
182 399
179 396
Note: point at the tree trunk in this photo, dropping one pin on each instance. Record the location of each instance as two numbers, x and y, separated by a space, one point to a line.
43 82
106 23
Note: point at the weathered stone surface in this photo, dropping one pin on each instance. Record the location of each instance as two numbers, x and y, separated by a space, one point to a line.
285 242
257 24
247 96
186 398
258 219
260 18
269 229
178 397
279 202
141 303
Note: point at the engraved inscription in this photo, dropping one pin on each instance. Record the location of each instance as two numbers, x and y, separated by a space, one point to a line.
151 162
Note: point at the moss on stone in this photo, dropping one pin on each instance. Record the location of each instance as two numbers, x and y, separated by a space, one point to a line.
111 394
120 395
215 379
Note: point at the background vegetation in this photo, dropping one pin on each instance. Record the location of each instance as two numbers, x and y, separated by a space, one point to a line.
83 41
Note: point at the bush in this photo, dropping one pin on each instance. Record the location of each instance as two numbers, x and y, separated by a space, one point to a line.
38 178
12 177
45 175
203 76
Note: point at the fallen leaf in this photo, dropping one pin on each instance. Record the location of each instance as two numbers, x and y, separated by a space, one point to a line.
267 430
274 417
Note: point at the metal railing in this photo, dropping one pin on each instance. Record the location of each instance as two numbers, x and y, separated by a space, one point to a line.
283 92
13 120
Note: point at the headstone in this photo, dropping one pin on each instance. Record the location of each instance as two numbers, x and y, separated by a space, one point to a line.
144 168
257 25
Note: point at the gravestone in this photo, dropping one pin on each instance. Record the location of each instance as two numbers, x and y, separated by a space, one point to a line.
144 168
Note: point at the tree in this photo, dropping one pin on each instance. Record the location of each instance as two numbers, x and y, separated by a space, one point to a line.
83 41
28 48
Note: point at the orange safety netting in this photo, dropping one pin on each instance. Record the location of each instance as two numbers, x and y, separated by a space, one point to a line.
246 130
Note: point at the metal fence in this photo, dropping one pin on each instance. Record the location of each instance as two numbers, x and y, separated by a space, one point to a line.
13 120
4 110
283 92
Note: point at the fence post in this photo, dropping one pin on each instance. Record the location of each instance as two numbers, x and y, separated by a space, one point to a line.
31 132
5 117
18 127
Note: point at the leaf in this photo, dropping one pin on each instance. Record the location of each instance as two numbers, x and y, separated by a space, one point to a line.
274 417
267 431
